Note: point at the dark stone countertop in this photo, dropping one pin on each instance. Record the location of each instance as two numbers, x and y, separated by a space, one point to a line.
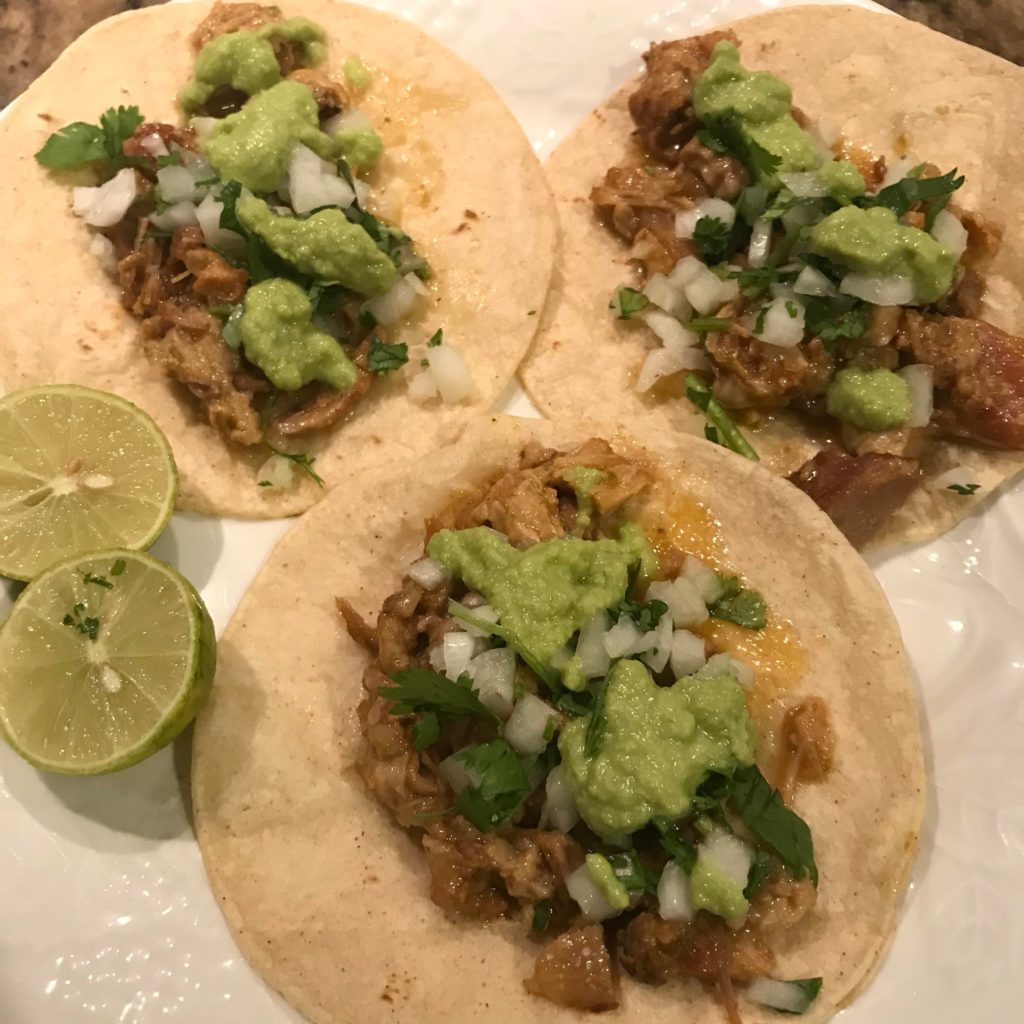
33 32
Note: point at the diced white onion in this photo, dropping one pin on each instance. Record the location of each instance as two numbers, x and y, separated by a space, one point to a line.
208 215
667 296
176 216
594 659
154 145
527 724
779 327
494 676
458 649
362 190
450 373
623 639
804 184
778 995
880 291
727 854
278 471
177 184
921 381
427 573
687 653
898 170
660 647
559 808
397 302
102 249
352 120
104 205
705 291
948 230
672 333
585 892
813 282
485 612
313 182
422 387
674 903
663 362
457 775
416 283
726 664
708 583
202 126
958 476
686 220
760 243
685 604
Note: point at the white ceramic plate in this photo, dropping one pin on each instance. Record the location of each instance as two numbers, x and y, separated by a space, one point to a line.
105 912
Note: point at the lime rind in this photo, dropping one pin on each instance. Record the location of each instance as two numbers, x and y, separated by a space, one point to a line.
21 711
38 526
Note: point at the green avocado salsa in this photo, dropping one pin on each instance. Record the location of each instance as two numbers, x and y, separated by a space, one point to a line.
659 745
238 60
760 106
327 246
874 400
361 147
279 337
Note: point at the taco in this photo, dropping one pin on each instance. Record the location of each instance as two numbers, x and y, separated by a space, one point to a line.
290 234
797 235
529 732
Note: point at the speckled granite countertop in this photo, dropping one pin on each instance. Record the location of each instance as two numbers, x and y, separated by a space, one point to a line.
33 32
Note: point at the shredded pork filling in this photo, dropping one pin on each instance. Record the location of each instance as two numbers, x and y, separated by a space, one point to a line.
520 869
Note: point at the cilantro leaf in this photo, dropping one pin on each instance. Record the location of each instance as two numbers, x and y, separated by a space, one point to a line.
713 239
384 358
645 615
301 459
427 731
783 831
633 873
761 869
229 196
598 721
902 195
729 434
574 703
501 788
679 849
756 281
437 338
77 620
740 605
117 126
541 915
779 995
423 689
98 581
963 489
80 144
723 134
628 302
833 319
709 324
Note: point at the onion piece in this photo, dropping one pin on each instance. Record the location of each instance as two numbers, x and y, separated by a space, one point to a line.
102 249
202 126
948 230
427 573
760 243
106 204
559 808
805 184
813 282
457 650
494 678
277 471
422 387
787 996
588 896
726 664
708 583
705 291
528 723
397 302
154 145
670 331
208 214
687 656
921 381
667 296
481 611
719 209
663 362
783 324
890 290
351 120
660 645
958 476
450 373
727 854
898 170
594 659
674 902
623 639
176 216
313 182
457 775
177 184
685 604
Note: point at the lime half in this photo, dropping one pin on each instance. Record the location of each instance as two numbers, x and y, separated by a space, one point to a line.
80 470
104 659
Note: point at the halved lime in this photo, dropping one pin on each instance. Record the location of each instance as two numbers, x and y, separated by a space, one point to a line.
79 470
104 659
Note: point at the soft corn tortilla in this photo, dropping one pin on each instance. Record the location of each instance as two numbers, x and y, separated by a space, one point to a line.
329 900
470 191
885 83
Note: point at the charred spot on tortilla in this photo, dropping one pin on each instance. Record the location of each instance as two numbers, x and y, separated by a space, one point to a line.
846 291
537 646
262 267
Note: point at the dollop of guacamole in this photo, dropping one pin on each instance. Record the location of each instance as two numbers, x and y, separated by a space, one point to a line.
658 746
873 241
603 876
845 183
583 480
712 890
875 399
279 337
254 145
361 147
759 103
326 246
543 594
239 60
356 73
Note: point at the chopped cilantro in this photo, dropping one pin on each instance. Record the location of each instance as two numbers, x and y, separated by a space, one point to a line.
761 869
628 302
740 605
709 324
755 281
902 195
832 319
98 581
264 483
633 873
598 721
501 788
645 616
437 338
963 489
791 308
301 459
384 358
679 849
729 434
541 915
427 731
87 625
422 689
713 239
762 313
80 144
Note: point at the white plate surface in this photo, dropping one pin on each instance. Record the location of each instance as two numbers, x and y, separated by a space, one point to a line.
106 914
